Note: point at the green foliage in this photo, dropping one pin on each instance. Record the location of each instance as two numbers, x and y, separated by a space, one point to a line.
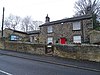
96 23
97 28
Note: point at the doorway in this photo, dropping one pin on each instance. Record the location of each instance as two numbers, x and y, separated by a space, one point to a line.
63 41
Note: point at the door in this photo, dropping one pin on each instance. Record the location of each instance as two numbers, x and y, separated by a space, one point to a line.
62 40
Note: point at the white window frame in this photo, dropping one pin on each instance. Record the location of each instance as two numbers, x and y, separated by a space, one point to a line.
50 29
50 40
76 25
77 39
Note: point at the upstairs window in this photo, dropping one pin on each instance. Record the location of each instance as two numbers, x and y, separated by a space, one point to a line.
77 39
50 29
76 25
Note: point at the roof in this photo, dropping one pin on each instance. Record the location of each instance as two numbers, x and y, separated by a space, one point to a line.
16 31
67 20
33 32
28 33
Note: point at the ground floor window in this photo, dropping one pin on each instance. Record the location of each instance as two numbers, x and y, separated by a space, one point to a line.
50 40
31 38
77 39
15 38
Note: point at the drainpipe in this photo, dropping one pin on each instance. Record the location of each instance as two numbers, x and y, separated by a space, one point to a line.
82 32
94 21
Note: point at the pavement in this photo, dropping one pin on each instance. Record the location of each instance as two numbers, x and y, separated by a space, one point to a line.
80 64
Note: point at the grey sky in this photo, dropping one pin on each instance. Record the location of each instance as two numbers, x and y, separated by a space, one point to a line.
57 9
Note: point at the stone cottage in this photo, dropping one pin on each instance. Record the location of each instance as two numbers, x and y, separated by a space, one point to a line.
15 35
34 36
66 31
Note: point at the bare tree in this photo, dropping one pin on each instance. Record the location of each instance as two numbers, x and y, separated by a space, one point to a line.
28 24
83 7
37 24
12 21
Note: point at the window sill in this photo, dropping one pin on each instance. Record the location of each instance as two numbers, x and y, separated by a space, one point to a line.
50 33
77 30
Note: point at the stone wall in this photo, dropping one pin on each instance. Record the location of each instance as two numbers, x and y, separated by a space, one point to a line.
83 52
25 47
95 36
43 36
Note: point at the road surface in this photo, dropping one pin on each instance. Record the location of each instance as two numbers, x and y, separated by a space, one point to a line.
17 66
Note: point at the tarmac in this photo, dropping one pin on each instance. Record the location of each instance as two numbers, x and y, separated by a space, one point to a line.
80 64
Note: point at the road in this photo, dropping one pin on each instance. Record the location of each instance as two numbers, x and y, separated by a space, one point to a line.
17 66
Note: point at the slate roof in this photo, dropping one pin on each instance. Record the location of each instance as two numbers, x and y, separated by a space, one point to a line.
27 33
16 31
67 20
33 32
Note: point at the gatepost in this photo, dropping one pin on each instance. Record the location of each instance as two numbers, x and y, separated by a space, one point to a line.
49 49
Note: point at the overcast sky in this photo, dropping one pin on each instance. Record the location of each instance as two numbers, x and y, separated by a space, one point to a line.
38 9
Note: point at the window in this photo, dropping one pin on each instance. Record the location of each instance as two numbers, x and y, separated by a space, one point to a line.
77 39
50 30
31 38
76 26
14 38
49 40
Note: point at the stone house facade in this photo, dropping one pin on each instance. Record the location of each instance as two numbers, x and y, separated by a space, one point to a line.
66 31
34 36
15 35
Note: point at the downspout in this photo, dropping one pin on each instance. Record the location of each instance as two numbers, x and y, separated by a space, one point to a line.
82 31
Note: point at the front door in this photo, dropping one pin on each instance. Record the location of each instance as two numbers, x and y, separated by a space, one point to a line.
62 40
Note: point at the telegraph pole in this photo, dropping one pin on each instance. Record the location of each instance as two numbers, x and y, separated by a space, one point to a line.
3 21
3 40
